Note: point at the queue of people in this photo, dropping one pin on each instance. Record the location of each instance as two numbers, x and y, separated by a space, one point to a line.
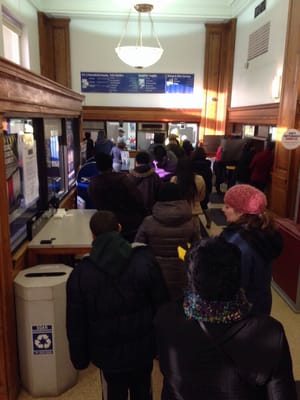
204 315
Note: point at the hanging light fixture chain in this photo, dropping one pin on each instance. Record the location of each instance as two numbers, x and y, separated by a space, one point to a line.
153 30
140 37
124 30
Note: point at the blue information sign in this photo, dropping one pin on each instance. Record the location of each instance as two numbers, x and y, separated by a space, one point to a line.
104 82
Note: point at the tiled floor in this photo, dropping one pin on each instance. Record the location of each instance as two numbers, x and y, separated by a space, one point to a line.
88 386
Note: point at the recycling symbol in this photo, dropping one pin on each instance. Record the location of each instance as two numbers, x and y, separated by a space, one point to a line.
43 341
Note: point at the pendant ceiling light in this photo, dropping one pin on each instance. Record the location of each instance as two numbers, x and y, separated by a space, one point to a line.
138 55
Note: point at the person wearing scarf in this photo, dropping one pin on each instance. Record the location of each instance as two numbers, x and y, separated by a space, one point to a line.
211 346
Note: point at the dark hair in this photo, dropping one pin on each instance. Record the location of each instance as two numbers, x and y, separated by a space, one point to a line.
101 133
142 157
159 153
169 191
187 147
159 137
199 153
121 145
186 178
103 161
103 222
214 269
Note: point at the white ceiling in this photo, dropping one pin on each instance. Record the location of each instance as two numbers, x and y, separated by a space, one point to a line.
184 10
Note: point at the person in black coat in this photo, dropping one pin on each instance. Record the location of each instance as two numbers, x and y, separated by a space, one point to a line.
210 345
114 191
145 179
243 172
202 166
112 297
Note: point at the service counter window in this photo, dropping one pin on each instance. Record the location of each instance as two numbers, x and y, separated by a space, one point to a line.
128 129
55 150
40 166
21 170
184 131
150 132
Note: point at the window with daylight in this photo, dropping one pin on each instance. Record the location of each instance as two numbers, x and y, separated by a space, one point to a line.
12 37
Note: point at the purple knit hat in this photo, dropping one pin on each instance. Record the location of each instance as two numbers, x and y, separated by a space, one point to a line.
245 199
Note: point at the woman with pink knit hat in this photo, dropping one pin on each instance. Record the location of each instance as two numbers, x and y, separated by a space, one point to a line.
253 230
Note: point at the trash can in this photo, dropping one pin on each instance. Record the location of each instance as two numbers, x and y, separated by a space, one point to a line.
40 297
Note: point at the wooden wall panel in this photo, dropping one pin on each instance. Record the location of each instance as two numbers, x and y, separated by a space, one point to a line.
97 113
9 374
54 44
217 81
22 91
286 163
260 114
61 42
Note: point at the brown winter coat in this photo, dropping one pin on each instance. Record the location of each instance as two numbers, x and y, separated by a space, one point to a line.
169 226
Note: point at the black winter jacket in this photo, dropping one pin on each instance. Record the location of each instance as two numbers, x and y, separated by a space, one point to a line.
250 362
114 191
112 297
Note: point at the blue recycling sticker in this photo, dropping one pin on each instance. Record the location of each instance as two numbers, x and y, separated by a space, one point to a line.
42 339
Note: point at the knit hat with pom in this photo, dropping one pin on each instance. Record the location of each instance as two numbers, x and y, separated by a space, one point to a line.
245 199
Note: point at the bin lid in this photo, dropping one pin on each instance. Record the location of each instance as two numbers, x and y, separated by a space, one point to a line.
41 279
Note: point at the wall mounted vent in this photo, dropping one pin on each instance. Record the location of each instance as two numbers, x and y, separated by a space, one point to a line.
259 42
260 8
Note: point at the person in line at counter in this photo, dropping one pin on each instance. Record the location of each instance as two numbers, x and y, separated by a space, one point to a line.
202 166
146 180
112 297
210 345
116 153
159 140
90 147
102 144
163 166
114 191
253 230
192 187
261 167
169 226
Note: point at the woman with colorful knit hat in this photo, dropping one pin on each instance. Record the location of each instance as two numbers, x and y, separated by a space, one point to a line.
210 345
253 230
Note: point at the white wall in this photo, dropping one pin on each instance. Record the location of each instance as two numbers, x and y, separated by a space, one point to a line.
26 14
253 85
92 50
93 41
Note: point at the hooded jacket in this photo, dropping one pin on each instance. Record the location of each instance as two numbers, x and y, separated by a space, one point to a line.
169 226
148 182
112 297
258 248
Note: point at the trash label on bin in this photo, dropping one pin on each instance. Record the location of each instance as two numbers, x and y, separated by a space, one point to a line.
42 339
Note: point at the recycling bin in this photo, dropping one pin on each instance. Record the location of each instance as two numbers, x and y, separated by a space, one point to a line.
40 297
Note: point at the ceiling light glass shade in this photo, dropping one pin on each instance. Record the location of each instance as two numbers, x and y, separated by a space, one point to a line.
139 56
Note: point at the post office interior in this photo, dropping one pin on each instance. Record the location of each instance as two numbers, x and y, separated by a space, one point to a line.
46 111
